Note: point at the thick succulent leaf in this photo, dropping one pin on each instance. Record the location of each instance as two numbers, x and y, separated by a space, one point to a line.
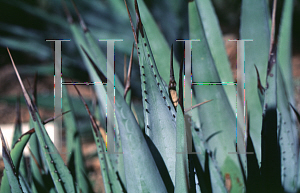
255 26
270 148
181 172
82 48
286 95
17 150
60 174
284 48
288 144
260 89
214 37
96 53
110 179
74 144
137 109
159 112
216 181
16 155
141 171
253 182
158 43
298 171
114 161
86 55
160 49
18 129
35 170
25 186
36 162
215 43
17 133
14 184
296 112
69 121
212 116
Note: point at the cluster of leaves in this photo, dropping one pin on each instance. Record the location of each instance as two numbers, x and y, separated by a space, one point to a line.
158 142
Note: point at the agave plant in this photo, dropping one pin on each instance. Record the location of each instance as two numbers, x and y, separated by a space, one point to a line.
178 141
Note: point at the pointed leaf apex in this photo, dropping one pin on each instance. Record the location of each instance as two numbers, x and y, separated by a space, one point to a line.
27 98
139 25
259 85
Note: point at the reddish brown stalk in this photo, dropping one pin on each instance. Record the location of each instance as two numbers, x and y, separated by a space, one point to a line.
92 119
125 68
273 27
197 105
81 21
127 86
67 12
131 23
52 118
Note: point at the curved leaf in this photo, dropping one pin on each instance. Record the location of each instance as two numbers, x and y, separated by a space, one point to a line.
255 26
181 173
16 155
212 116
141 171
159 112
60 174
14 184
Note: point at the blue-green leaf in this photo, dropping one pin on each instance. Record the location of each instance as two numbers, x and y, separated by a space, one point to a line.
255 26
